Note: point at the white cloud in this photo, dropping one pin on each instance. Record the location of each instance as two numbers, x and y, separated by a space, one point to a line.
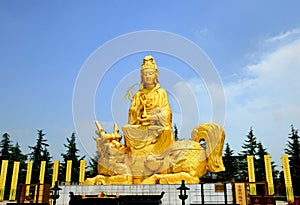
284 36
266 99
199 103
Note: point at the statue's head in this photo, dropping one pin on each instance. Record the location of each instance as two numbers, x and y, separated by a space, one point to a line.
149 73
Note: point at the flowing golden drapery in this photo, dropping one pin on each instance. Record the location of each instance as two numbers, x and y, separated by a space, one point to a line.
155 137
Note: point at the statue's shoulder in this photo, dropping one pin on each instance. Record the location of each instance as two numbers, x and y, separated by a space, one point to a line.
138 92
162 90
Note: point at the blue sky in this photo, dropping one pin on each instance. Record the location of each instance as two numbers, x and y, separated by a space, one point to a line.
254 46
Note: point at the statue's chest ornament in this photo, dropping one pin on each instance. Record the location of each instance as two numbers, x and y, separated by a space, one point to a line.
150 98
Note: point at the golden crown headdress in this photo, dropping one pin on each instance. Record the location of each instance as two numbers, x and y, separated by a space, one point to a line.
149 62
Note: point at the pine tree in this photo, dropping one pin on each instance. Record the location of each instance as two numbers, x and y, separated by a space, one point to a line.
49 165
249 148
93 166
5 146
18 156
250 144
39 153
260 163
71 154
176 133
231 165
293 150
280 186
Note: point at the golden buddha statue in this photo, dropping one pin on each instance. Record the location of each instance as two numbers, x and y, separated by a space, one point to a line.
150 116
150 155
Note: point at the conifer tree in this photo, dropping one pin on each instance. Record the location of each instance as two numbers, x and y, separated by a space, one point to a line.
249 148
49 165
280 186
71 154
260 170
5 146
93 166
231 165
260 163
250 144
40 153
18 156
293 150
176 133
12 154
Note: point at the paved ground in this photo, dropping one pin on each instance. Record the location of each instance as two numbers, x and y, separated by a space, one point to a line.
4 202
281 202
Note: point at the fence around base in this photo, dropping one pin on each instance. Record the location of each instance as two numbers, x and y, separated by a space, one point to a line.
211 193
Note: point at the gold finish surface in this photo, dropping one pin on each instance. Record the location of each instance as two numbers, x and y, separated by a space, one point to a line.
150 154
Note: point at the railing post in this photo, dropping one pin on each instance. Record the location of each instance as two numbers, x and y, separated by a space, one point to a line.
37 192
202 193
233 192
225 193
19 194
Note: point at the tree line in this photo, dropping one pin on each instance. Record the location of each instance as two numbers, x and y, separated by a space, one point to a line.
40 152
237 169
235 165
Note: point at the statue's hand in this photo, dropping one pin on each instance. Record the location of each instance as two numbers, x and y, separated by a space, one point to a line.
143 101
145 119
146 116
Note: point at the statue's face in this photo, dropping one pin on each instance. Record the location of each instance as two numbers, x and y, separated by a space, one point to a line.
149 77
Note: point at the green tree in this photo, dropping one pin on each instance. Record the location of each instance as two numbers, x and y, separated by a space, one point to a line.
71 154
249 148
293 150
49 165
231 164
40 153
5 146
12 154
250 144
260 171
18 156
280 186
176 133
93 166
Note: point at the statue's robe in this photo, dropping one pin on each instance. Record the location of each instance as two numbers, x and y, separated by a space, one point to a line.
143 140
